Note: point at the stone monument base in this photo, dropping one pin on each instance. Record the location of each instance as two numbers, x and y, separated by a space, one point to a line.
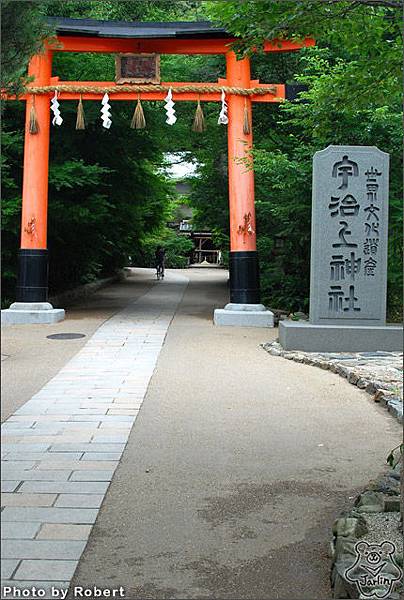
31 312
302 335
243 315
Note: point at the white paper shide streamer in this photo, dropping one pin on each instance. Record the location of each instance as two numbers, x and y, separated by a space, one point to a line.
57 119
223 118
169 108
105 112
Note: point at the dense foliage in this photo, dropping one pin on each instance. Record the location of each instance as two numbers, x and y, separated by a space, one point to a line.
22 32
108 197
354 97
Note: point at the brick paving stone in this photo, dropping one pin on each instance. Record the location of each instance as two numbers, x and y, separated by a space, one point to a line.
65 487
102 418
50 515
8 566
36 475
9 486
21 465
46 570
79 500
98 456
28 447
38 418
92 475
19 530
58 531
21 499
82 418
122 411
112 428
12 426
90 447
40 456
76 465
40 549
117 438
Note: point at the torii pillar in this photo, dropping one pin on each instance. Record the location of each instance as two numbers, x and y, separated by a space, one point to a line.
32 304
244 308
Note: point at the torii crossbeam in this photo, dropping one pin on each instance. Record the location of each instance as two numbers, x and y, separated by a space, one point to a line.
84 35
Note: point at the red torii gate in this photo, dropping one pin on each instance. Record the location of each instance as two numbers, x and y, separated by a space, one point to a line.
196 38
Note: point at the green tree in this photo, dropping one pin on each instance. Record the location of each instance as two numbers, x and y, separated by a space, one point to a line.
353 97
22 33
365 33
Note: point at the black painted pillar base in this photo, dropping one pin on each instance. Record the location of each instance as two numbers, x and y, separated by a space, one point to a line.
32 284
244 277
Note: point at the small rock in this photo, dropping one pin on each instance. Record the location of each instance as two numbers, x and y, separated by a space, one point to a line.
392 504
393 485
350 527
324 365
362 383
340 590
345 547
395 475
298 316
370 502
389 486
353 377
331 552
374 386
343 371
378 396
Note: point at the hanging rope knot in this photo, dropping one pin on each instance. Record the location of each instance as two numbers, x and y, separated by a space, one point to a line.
33 119
138 119
80 121
199 124
246 119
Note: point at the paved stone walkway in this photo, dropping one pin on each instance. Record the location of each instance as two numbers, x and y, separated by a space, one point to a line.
230 479
61 448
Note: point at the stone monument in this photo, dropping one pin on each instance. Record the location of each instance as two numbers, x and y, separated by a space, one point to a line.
348 256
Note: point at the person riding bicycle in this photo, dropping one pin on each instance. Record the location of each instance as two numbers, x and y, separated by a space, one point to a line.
160 255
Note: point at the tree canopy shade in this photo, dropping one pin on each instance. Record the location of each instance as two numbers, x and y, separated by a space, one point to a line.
366 34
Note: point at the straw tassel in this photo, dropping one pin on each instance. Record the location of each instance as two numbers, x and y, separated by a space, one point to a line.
246 121
33 119
138 119
199 124
80 121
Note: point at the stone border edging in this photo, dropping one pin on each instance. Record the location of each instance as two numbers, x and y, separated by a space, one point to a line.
380 391
351 527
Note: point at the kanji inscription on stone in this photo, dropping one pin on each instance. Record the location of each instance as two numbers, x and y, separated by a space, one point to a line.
349 236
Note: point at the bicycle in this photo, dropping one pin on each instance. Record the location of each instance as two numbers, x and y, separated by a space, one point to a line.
160 272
